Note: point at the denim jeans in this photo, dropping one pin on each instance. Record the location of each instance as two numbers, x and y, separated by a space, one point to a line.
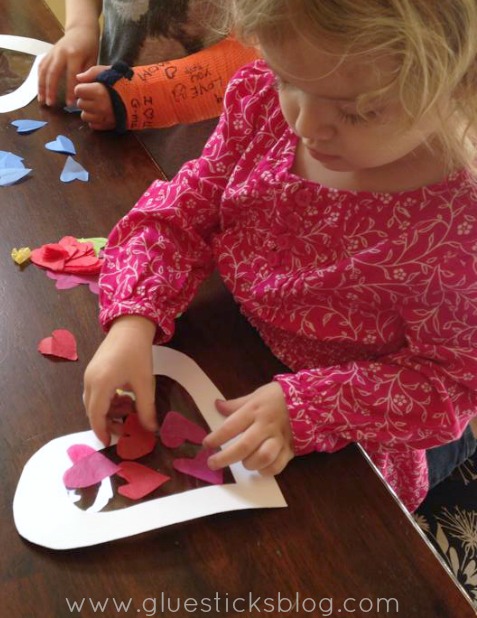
442 460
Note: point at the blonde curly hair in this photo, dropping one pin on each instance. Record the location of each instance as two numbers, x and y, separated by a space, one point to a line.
434 44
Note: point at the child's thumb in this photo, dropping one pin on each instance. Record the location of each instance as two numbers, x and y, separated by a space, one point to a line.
230 406
91 74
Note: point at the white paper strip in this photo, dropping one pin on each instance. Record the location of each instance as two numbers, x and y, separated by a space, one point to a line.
29 89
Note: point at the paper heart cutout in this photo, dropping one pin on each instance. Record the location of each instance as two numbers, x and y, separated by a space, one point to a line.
135 441
11 175
66 282
8 159
142 480
28 126
79 451
72 170
12 168
89 470
62 144
198 468
62 343
176 429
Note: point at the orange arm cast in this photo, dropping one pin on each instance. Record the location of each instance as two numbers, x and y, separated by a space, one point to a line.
175 92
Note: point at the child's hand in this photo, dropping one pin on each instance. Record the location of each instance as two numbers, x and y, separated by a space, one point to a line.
262 419
75 52
123 360
94 100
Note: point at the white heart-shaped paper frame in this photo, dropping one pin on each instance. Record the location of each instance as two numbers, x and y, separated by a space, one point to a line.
45 514
25 93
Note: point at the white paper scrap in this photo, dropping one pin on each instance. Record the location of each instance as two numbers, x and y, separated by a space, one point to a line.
25 93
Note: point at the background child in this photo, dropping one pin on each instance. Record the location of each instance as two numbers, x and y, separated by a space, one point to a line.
189 90
338 200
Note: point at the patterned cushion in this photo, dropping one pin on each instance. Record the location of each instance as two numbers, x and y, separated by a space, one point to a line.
448 517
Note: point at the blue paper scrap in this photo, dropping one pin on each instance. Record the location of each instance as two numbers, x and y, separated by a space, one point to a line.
28 126
11 168
72 109
73 171
8 159
62 144
11 175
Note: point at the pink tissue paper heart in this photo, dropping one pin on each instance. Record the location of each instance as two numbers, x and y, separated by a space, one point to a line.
176 429
198 468
78 451
89 470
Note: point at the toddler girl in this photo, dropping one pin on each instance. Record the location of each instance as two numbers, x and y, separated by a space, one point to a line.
338 200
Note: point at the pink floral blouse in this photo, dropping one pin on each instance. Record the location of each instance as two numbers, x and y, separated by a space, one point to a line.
369 298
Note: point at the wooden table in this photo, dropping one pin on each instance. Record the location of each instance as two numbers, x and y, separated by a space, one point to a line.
343 536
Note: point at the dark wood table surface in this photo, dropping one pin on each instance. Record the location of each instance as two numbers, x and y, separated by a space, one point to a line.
343 535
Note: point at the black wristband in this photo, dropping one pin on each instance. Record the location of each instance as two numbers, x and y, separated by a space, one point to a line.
108 78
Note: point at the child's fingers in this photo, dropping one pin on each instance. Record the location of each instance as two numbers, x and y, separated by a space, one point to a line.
231 405
71 81
279 464
95 109
42 73
54 72
91 74
97 407
230 428
98 123
235 424
264 456
87 92
239 450
145 404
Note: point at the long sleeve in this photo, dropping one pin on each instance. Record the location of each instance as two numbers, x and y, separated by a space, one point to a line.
423 394
159 253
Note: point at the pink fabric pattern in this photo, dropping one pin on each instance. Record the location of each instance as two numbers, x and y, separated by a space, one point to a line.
369 298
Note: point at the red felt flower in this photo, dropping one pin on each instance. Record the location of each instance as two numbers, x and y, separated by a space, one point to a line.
68 256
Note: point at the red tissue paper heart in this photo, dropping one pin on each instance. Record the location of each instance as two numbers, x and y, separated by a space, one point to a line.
88 470
142 480
135 441
69 255
62 344
198 468
176 429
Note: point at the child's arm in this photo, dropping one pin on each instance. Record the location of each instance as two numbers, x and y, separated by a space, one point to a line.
161 251
401 404
75 52
418 398
160 95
